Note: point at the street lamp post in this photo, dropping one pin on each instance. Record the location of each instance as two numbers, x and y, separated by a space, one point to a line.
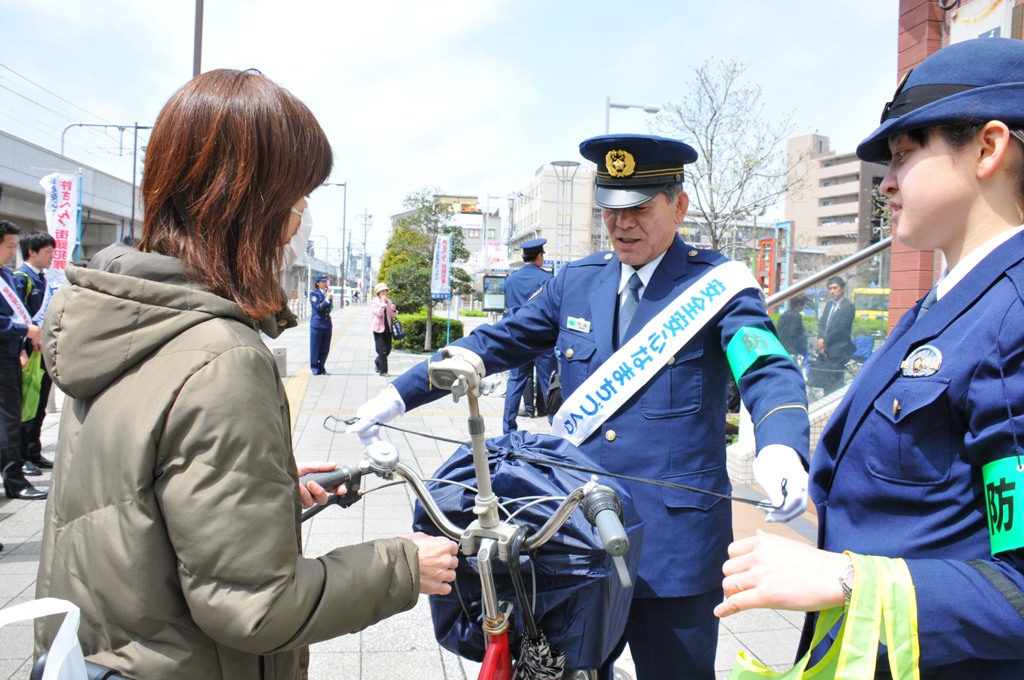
344 211
135 150
565 171
609 105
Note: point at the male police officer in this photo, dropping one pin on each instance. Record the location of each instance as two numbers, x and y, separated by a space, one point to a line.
320 305
657 409
522 286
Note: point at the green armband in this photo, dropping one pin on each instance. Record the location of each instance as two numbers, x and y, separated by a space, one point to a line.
1005 514
748 345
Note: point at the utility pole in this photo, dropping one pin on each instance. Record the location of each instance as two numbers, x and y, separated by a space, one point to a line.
367 221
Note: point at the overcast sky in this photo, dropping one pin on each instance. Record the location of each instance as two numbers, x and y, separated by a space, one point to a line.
468 96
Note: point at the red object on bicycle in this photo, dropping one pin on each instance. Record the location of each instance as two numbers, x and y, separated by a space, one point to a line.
497 663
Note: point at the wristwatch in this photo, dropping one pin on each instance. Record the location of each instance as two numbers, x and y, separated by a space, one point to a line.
846 580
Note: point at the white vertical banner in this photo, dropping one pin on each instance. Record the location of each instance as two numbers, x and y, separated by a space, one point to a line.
441 276
63 203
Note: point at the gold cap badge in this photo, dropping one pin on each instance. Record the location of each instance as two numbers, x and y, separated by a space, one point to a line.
619 163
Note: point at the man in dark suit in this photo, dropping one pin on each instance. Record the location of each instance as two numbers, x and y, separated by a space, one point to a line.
15 328
835 344
520 287
30 280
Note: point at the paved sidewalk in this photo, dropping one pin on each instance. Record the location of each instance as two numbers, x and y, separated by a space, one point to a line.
401 647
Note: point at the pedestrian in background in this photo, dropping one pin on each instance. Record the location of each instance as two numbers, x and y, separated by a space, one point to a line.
15 328
30 279
321 304
921 462
521 286
792 333
672 428
174 516
383 310
835 343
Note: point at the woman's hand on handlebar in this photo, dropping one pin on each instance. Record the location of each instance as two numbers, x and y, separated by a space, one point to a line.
312 492
438 558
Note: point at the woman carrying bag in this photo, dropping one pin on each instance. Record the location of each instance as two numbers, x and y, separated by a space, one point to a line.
383 310
919 473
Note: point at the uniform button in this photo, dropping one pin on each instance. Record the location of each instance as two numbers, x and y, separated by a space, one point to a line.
607 256
569 353
671 360
693 253
610 435
896 408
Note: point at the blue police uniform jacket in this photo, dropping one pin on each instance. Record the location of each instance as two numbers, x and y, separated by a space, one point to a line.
522 284
897 471
321 307
673 430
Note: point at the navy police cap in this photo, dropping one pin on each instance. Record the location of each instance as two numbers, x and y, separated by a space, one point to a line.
533 246
633 169
979 79
322 277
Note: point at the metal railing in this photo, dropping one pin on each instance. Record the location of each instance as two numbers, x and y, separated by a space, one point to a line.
803 284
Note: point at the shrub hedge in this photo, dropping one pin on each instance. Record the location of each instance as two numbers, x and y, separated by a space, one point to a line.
415 327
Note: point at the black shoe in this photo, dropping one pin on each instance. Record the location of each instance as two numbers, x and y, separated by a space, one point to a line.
324 373
29 493
29 468
41 463
526 414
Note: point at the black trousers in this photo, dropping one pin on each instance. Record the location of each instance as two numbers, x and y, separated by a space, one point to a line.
382 343
10 425
31 430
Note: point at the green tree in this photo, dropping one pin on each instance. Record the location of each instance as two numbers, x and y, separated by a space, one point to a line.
408 258
741 169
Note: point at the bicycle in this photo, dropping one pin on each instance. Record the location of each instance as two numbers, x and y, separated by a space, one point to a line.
491 545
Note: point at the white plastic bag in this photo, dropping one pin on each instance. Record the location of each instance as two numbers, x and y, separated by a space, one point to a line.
64 660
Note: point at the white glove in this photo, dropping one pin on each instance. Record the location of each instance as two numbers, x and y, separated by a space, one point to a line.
382 408
775 464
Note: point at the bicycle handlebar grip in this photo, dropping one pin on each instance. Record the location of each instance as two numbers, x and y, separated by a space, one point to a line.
602 508
329 479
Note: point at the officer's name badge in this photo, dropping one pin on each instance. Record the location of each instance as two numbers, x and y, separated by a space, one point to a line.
577 324
922 362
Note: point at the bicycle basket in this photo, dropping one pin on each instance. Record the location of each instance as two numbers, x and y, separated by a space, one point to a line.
580 605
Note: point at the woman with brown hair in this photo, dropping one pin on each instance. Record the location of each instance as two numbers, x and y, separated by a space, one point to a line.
173 519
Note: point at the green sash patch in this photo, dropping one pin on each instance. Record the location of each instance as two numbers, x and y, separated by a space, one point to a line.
748 345
1005 520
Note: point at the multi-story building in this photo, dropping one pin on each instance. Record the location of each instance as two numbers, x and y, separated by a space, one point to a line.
836 209
556 204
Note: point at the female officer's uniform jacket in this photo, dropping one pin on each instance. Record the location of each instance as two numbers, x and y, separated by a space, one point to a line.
673 430
905 449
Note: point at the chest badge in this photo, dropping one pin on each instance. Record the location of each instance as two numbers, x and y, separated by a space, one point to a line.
578 324
922 362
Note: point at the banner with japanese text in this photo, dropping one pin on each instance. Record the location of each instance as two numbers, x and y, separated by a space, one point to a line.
63 202
441 276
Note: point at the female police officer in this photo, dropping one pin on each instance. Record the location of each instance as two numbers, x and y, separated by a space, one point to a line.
927 441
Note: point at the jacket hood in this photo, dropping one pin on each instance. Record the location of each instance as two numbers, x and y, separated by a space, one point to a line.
113 314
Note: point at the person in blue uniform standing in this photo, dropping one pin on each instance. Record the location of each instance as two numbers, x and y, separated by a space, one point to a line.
30 279
521 286
922 460
321 305
659 326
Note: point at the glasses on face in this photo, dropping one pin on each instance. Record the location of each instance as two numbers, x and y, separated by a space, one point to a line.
298 212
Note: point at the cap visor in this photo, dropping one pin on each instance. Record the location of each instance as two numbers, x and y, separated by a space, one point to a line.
616 198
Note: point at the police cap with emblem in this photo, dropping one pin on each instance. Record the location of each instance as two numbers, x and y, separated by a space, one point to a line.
322 277
633 169
980 79
533 247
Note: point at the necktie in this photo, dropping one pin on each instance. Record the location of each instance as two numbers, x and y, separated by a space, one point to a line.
927 303
629 304
42 281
